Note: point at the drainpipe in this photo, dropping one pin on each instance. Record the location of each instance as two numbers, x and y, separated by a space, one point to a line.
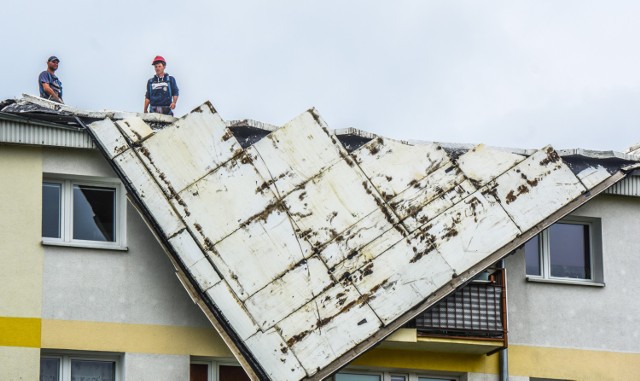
503 356
504 364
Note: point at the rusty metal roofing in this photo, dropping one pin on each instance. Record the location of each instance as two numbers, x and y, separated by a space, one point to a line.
305 247
306 254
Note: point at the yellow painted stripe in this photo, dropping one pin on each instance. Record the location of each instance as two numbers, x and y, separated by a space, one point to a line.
122 337
423 360
20 332
573 364
554 363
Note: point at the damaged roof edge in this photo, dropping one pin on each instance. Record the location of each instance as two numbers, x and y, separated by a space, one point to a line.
201 200
466 276
217 319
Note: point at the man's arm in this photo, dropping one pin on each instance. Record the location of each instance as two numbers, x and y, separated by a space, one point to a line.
49 90
146 104
175 90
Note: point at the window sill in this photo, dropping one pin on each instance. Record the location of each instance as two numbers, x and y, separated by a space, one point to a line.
576 282
87 245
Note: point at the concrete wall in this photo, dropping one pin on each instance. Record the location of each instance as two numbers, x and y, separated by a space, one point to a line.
137 286
591 327
128 302
21 259
146 367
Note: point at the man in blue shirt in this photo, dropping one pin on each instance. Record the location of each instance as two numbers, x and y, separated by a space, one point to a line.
162 90
50 85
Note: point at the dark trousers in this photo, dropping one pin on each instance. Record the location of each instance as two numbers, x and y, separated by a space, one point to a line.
166 110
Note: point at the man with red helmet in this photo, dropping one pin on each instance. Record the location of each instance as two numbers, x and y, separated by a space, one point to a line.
162 90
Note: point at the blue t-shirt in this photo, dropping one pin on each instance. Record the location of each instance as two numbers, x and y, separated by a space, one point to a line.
53 81
160 91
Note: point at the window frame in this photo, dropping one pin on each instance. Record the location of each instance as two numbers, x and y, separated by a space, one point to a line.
64 373
595 254
66 212
385 375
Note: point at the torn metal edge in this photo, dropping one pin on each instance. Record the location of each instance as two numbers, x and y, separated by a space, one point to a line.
217 319
464 277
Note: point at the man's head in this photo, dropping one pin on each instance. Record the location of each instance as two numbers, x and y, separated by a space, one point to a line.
52 63
159 64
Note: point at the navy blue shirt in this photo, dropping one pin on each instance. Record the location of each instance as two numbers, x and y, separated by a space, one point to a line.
53 81
160 91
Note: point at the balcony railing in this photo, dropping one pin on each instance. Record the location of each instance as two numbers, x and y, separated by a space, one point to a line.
474 311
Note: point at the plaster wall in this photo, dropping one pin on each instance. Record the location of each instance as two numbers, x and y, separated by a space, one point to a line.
19 364
21 258
583 317
20 231
153 367
137 286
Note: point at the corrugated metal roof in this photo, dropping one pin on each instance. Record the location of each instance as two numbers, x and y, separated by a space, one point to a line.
629 186
304 254
17 130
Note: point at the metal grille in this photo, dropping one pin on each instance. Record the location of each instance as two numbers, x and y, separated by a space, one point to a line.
474 310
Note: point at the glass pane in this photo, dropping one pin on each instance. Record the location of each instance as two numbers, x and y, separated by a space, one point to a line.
94 213
51 206
569 251
433 379
93 370
357 377
199 372
49 369
398 378
532 255
232 373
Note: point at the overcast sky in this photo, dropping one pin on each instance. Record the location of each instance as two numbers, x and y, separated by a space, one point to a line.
504 73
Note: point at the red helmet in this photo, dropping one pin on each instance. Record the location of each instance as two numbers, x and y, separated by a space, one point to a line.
158 59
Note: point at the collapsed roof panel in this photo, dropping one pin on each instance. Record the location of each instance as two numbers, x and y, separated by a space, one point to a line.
305 254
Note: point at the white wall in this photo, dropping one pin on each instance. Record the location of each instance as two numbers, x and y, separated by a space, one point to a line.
575 316
137 286
150 367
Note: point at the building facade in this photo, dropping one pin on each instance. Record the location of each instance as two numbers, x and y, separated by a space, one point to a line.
88 293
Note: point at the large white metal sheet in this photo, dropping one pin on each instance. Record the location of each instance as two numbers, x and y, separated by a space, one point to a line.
135 129
470 231
109 137
219 203
394 166
330 203
296 152
309 252
286 294
482 164
194 146
149 192
233 309
537 187
261 251
352 240
275 356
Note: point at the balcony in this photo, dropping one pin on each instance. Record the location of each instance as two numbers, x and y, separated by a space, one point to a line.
471 320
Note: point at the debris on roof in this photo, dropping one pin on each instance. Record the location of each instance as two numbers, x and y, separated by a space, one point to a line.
305 247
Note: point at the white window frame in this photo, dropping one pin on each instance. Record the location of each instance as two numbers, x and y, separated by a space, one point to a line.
595 254
65 363
213 366
385 375
66 211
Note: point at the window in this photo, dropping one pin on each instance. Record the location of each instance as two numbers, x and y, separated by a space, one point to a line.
569 250
77 368
207 370
83 213
349 375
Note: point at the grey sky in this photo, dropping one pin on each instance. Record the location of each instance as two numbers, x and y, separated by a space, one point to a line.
505 73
